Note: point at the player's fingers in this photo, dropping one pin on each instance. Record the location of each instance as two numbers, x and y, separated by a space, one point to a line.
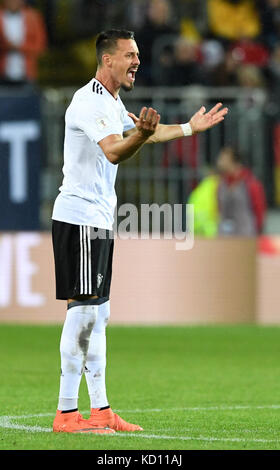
217 117
217 121
224 111
221 113
142 114
202 110
150 115
157 120
215 108
133 117
154 121
150 119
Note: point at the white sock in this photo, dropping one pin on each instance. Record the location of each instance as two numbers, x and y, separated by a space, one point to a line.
74 344
96 359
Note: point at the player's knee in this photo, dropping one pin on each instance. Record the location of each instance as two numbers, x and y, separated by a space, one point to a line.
75 339
71 357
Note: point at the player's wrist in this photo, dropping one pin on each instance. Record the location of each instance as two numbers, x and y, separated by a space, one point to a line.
143 134
187 129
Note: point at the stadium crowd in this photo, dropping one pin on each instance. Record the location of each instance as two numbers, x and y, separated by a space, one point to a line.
215 43
181 42
209 42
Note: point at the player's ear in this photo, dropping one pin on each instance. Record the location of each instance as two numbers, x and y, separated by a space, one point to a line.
107 60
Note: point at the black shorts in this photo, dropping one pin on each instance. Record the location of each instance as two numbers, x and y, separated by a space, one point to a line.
83 258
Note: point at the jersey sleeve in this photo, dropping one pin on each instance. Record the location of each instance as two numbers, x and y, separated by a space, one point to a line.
97 120
128 122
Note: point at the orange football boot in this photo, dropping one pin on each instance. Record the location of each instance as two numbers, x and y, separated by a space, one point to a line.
107 418
73 422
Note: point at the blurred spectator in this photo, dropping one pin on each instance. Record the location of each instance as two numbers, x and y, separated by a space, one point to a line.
250 76
224 74
273 72
233 19
213 54
22 40
205 202
243 62
184 67
241 197
248 51
193 18
136 12
233 72
159 22
270 19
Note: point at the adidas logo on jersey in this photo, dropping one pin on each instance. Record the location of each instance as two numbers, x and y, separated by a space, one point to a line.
97 88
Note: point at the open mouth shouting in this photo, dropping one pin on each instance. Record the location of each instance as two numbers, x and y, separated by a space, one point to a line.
131 74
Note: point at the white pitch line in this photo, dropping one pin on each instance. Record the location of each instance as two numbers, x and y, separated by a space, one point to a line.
204 408
198 438
6 422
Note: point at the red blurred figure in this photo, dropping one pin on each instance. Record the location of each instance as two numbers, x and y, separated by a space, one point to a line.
241 197
22 39
248 51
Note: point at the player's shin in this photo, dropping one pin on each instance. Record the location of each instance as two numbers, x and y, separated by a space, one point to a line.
96 359
78 325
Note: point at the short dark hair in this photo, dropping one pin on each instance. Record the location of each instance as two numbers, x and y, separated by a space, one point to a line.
107 41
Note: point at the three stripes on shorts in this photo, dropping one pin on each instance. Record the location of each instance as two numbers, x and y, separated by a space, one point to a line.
85 260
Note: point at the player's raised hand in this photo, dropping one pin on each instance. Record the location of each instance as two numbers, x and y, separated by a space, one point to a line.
147 122
201 121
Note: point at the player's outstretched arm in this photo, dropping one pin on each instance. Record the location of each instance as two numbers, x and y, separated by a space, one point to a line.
199 122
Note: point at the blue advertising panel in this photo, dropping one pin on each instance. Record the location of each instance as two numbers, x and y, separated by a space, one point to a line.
20 149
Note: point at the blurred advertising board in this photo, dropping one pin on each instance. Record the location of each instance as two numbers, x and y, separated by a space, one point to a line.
153 283
20 138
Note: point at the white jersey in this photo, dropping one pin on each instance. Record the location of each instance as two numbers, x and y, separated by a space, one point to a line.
87 195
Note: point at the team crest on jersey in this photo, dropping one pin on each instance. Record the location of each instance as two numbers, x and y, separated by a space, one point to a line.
99 280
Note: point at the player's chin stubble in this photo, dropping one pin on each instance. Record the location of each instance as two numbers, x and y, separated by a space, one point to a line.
127 88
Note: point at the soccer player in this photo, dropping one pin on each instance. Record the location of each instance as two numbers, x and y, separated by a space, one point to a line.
99 134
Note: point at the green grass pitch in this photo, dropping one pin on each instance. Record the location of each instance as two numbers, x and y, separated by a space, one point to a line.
212 387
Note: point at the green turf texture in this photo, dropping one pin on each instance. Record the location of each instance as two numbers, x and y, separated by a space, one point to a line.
171 369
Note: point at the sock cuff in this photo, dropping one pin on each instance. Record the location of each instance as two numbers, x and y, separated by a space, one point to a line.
69 411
